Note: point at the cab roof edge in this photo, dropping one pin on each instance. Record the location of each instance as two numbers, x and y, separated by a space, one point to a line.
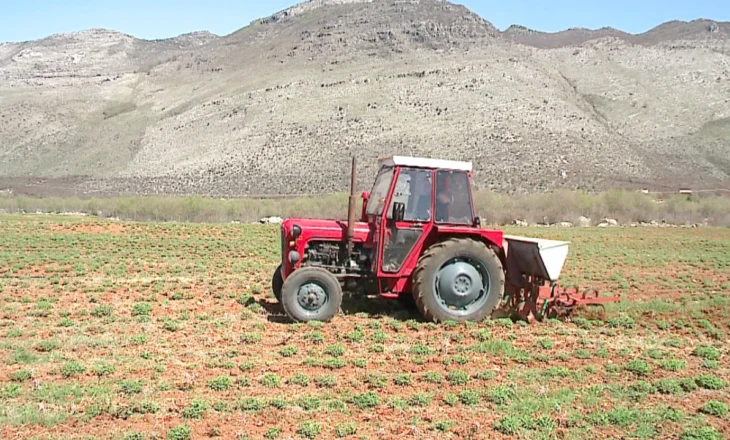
423 162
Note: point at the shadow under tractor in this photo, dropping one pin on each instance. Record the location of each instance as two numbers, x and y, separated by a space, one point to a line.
418 235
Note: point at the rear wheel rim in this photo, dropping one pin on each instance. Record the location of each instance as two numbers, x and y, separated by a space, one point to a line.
461 286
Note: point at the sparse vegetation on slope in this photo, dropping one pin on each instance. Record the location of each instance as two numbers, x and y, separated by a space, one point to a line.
279 106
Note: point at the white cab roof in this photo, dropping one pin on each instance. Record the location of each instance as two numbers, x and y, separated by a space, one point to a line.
421 162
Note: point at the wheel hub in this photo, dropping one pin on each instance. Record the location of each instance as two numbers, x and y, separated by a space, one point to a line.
459 284
311 296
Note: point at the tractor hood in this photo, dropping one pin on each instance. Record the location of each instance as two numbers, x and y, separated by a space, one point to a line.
323 229
535 257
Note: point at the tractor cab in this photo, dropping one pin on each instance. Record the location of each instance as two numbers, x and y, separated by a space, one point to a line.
422 190
410 200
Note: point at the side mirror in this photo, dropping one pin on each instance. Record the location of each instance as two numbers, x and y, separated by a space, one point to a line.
477 221
365 195
399 211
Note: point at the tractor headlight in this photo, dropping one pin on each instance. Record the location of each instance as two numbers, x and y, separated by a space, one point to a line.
296 231
293 257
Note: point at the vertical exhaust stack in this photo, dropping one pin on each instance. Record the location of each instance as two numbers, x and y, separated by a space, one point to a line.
351 209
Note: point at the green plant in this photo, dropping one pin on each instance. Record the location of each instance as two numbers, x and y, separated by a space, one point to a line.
180 432
442 425
469 397
335 350
141 309
710 382
196 409
271 380
638 367
700 433
501 395
101 311
715 408
20 376
706 352
402 379
325 381
668 386
366 400
72 368
508 425
309 429
289 351
299 379
458 377
345 429
130 387
420 350
220 383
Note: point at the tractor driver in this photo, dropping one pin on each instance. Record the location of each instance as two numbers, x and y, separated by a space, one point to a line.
421 193
444 198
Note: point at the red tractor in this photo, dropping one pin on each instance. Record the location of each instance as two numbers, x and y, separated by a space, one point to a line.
418 234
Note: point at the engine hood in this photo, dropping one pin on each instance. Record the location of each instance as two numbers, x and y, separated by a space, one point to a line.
326 229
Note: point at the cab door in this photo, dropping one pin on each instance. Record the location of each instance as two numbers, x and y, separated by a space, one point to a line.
406 221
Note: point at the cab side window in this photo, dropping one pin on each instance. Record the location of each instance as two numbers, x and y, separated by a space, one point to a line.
413 188
453 198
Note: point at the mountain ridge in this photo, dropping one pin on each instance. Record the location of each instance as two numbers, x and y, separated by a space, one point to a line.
515 27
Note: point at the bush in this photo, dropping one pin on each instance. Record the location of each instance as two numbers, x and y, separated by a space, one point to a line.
495 208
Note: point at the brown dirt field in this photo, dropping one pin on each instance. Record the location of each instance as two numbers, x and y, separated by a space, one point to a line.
211 315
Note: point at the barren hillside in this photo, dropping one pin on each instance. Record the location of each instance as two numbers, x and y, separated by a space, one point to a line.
279 106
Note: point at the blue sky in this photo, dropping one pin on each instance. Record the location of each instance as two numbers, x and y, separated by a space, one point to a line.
22 20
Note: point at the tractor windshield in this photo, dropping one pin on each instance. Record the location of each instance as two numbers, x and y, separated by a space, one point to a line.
380 191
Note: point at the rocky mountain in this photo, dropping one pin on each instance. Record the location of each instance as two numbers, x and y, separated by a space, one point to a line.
696 30
279 106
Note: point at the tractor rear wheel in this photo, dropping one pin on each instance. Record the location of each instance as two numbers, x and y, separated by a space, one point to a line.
311 294
276 282
458 279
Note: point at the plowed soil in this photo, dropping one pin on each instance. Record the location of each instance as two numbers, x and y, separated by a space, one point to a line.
117 330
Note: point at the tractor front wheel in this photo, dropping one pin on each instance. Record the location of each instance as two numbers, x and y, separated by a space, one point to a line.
311 294
276 283
458 280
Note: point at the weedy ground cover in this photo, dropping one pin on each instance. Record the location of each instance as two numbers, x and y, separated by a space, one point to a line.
129 330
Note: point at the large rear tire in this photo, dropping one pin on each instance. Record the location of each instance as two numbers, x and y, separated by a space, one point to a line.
459 279
311 294
277 281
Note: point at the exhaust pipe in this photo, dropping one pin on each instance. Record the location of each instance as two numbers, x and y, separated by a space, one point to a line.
351 210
